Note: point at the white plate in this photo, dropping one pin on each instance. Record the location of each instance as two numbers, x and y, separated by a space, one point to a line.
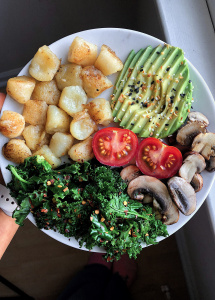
122 41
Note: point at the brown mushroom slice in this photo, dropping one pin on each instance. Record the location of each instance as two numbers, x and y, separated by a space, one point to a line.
152 186
204 143
199 117
129 173
147 199
197 182
171 216
210 164
182 194
194 163
187 133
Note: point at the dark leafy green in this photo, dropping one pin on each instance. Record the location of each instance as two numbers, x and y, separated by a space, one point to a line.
86 201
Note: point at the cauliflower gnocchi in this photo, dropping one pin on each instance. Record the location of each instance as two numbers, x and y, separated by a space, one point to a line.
82 126
16 150
57 120
44 64
72 99
100 111
49 156
94 81
35 112
61 143
107 61
46 91
69 74
55 99
82 151
11 124
20 88
82 52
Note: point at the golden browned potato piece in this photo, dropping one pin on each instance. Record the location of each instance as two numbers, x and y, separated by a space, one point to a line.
108 62
82 52
20 88
82 126
69 74
72 99
46 91
100 111
35 112
57 120
94 81
49 156
35 136
61 143
44 64
11 124
16 150
82 151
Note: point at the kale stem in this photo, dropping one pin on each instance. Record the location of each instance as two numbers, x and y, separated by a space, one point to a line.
13 170
131 213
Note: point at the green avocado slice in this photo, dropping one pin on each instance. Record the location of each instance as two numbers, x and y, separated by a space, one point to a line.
156 97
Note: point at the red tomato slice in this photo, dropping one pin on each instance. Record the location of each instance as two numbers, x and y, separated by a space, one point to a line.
155 158
115 146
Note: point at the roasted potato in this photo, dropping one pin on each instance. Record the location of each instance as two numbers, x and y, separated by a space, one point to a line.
94 82
82 151
44 64
82 52
57 120
46 91
107 61
61 143
11 124
35 136
82 126
72 99
69 74
20 88
16 150
35 112
49 156
100 111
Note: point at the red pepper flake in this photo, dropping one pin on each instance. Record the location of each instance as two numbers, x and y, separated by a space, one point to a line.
45 210
64 190
126 212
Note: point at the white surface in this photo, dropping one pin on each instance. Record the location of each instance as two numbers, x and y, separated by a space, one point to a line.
115 38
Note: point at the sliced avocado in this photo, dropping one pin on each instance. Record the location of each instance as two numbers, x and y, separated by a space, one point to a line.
154 92
156 97
132 88
116 100
122 79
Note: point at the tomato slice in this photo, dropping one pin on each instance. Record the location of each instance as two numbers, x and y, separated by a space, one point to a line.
156 159
115 146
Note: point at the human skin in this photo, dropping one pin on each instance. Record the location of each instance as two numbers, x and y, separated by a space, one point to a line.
8 227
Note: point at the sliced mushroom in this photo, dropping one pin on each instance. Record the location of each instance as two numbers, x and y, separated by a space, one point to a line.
171 216
194 163
187 133
147 199
199 117
197 182
210 164
182 194
130 172
204 143
152 186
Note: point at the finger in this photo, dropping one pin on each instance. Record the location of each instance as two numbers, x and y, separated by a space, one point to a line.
2 98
